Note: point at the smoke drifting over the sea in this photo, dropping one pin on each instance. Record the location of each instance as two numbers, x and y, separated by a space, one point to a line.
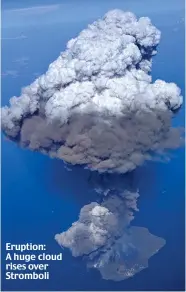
106 241
96 104
99 224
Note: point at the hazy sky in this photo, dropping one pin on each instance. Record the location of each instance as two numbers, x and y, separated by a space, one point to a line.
18 13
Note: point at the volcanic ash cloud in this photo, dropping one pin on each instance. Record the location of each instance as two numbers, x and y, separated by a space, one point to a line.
106 241
99 224
96 105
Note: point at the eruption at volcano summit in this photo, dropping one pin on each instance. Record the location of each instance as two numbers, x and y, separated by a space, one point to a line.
96 106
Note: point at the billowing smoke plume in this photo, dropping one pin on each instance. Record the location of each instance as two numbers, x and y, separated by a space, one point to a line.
96 105
99 224
105 239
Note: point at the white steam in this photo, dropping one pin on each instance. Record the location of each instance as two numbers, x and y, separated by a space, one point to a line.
104 238
99 224
96 105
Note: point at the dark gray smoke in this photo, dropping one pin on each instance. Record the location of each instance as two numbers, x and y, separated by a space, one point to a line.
96 104
99 224
104 238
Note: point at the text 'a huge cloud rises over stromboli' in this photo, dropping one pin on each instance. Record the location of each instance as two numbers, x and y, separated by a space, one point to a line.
96 105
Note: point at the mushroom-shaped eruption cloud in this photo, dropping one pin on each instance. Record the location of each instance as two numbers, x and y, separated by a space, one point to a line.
96 105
